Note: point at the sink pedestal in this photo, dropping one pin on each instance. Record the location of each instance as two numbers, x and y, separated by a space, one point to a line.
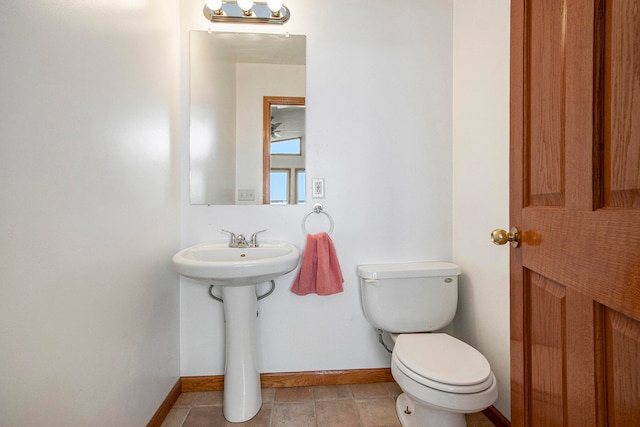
242 394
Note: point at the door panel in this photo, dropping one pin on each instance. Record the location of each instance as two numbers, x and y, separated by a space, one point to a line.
575 195
622 109
623 366
547 335
546 151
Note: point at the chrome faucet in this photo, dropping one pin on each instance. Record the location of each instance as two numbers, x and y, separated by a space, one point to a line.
239 241
233 239
254 239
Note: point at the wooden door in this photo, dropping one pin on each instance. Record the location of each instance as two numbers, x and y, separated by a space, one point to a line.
575 195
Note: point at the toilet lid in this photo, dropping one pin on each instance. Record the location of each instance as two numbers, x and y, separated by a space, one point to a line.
442 358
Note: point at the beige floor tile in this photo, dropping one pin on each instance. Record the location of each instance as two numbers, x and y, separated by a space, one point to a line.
268 395
393 389
377 412
356 405
205 416
294 394
369 390
337 413
478 420
295 414
175 417
185 400
332 392
262 418
208 398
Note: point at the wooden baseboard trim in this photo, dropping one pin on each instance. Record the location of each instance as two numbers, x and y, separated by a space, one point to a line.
166 405
314 378
295 379
496 417
206 383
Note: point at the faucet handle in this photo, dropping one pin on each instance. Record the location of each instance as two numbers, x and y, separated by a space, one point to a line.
254 238
233 239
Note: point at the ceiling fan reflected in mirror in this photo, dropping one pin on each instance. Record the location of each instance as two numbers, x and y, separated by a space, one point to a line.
274 129
278 133
287 121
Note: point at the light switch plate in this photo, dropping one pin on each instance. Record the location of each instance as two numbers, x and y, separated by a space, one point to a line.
247 195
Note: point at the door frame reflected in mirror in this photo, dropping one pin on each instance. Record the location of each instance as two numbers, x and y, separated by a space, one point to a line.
268 102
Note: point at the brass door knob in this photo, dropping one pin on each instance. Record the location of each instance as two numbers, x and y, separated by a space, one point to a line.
501 237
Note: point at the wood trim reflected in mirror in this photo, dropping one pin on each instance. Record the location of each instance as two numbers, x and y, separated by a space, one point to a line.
267 102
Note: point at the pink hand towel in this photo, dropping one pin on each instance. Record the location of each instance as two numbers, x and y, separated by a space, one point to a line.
320 271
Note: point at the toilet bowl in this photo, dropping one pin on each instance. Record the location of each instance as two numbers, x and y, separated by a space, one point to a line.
442 378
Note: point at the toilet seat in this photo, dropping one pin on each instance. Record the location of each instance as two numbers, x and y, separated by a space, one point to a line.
442 362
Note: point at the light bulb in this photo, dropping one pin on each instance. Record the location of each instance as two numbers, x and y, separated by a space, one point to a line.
274 5
214 4
245 5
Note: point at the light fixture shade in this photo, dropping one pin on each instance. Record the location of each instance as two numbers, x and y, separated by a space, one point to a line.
214 4
274 5
245 5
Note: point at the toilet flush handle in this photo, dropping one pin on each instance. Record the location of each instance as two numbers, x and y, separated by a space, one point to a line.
374 282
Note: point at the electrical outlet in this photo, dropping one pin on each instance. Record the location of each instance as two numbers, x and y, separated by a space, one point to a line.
317 188
247 195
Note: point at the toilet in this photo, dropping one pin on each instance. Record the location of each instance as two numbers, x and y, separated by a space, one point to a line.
442 378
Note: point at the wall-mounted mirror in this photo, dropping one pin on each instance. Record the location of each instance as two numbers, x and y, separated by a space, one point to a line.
232 76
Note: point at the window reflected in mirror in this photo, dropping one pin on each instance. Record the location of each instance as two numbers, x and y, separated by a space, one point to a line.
279 194
301 186
287 147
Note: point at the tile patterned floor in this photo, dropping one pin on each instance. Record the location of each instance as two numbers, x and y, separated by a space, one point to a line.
356 405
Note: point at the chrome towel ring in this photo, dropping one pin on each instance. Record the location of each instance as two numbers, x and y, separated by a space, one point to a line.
317 208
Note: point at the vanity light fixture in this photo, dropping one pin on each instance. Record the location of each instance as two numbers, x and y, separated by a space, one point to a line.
214 6
246 6
274 7
246 11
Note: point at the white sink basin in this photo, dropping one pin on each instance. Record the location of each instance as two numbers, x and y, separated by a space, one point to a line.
216 261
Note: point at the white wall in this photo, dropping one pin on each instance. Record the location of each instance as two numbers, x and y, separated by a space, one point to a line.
88 211
481 180
379 103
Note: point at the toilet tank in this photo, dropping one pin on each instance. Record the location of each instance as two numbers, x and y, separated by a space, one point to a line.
411 297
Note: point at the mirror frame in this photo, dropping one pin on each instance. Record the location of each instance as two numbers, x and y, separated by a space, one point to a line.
267 102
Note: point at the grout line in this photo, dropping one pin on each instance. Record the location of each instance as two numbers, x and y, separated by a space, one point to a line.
185 416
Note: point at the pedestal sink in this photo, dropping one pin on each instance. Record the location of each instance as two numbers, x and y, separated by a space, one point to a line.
237 271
